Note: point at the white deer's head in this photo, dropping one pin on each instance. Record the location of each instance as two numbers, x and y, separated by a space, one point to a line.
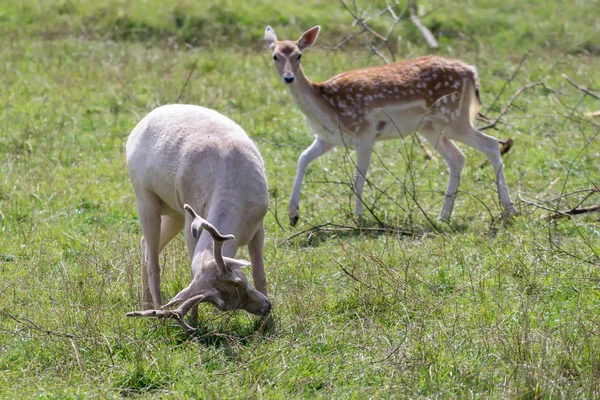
219 281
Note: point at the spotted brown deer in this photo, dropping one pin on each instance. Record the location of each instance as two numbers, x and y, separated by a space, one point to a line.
436 96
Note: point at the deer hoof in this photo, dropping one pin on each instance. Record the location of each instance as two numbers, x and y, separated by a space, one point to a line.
294 219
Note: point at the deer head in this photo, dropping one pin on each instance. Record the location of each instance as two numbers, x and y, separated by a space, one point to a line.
219 281
287 53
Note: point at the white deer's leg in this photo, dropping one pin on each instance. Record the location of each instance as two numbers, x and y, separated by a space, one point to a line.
488 145
148 208
147 303
255 249
315 150
170 226
363 159
455 160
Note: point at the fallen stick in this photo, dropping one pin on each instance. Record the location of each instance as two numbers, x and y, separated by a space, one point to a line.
593 114
575 211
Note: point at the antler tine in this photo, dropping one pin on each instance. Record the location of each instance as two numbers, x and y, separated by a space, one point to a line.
216 235
204 224
177 314
218 239
192 301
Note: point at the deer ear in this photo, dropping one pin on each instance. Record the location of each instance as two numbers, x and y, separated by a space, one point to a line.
233 263
270 37
196 226
308 38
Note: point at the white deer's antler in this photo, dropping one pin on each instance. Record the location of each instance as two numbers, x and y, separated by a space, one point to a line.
200 223
180 312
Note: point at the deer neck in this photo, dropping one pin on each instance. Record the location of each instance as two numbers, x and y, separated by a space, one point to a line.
307 97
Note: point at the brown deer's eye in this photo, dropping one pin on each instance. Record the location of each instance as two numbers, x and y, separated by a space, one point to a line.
299 55
275 57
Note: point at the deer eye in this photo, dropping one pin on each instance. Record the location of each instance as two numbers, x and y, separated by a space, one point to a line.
275 57
299 55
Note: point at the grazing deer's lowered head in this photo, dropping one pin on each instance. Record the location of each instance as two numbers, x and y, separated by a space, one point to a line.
219 281
436 96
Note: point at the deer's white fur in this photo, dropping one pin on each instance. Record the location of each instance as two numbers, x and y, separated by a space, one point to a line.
184 154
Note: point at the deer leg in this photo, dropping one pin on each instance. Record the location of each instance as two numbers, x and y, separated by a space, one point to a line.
148 208
146 296
363 159
455 160
488 145
191 243
170 226
315 150
255 248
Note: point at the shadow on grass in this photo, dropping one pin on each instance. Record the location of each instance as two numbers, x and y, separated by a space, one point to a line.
229 334
234 333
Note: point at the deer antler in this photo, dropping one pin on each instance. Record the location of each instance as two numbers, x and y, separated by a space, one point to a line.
200 223
180 312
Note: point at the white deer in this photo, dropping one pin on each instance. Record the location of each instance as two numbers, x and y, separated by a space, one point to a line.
184 159
433 95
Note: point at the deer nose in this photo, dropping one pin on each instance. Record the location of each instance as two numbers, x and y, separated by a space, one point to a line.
289 78
267 309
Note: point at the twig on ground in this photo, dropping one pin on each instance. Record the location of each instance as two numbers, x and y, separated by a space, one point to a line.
536 205
31 324
574 211
332 227
353 277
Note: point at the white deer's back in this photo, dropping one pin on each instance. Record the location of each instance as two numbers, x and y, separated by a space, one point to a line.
191 154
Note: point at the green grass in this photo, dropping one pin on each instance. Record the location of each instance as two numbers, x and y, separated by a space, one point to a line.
481 307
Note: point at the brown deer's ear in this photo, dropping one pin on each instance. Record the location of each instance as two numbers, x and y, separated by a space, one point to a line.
308 38
270 37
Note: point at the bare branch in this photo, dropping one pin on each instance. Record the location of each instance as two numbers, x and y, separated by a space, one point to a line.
31 324
187 80
575 211
585 90
376 51
427 35
354 277
349 38
361 23
512 77
332 227
509 104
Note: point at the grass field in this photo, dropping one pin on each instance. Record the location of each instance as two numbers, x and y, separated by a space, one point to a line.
481 307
